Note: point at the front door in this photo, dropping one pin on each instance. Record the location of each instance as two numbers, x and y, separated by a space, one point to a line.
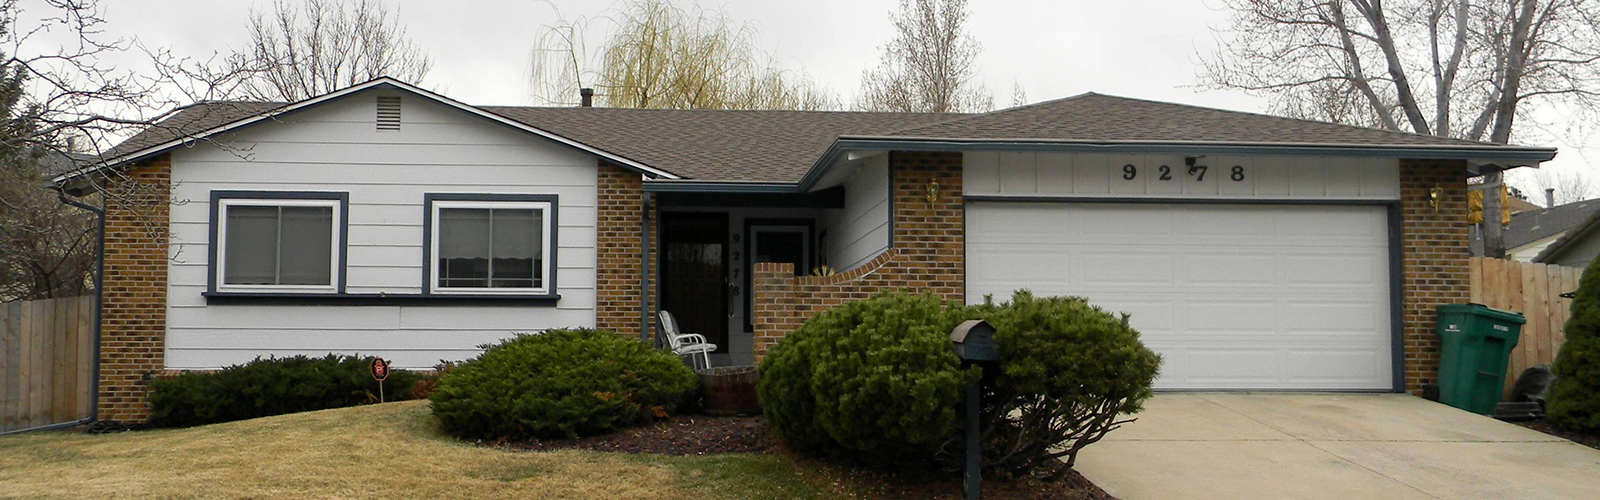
694 271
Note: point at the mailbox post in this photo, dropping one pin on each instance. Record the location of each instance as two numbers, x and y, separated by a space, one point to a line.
974 344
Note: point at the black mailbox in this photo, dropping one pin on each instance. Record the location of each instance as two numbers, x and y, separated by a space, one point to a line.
974 341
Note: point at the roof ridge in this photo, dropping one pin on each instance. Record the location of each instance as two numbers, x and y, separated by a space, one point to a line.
1301 120
703 110
998 111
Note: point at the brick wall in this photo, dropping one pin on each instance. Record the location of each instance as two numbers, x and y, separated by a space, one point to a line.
620 196
1434 259
927 254
133 321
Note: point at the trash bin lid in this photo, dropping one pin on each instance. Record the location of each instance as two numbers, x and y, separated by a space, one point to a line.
1484 311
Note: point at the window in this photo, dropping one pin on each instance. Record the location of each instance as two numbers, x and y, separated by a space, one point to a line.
277 242
491 244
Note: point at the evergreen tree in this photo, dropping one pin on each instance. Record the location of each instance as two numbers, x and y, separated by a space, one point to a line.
1574 403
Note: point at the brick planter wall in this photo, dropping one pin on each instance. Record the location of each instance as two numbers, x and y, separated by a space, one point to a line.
927 253
133 320
618 212
1434 259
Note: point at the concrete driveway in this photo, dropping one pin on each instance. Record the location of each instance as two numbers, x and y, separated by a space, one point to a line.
1338 446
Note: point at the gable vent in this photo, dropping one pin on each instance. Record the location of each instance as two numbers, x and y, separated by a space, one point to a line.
388 113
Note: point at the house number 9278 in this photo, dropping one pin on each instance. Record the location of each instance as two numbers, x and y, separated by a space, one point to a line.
1131 172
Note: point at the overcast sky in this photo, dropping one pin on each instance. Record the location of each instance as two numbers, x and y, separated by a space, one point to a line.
1052 48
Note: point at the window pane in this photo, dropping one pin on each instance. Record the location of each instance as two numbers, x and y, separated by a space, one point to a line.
306 246
463 247
251 244
517 247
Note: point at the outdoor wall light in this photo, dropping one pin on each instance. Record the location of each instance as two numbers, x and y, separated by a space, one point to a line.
933 191
1434 195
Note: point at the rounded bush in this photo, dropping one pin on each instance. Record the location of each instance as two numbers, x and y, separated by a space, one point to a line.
873 379
560 384
1574 399
271 386
1067 371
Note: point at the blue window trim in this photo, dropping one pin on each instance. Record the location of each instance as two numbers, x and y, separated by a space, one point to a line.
216 212
551 292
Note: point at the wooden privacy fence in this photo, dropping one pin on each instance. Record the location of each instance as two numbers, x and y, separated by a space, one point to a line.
46 360
1535 291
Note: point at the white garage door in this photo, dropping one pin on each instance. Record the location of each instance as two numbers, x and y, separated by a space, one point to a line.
1232 296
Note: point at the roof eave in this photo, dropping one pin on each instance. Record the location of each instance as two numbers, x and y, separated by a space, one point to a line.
1511 156
376 83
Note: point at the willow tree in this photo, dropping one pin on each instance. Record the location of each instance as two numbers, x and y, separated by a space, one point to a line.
658 55
1454 68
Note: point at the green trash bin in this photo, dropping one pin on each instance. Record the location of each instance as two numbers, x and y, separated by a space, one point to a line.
1475 345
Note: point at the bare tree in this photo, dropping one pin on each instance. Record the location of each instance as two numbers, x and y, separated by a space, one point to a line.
61 103
325 45
1019 97
1456 68
1569 186
662 56
930 65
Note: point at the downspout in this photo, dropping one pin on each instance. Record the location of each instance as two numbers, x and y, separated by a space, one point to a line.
99 274
644 269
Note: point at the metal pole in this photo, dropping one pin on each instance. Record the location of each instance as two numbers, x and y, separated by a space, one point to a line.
974 458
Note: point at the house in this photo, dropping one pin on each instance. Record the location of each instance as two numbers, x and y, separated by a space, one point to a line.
1531 231
1253 252
1575 247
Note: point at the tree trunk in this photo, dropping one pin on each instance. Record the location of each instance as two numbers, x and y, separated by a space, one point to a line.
1494 242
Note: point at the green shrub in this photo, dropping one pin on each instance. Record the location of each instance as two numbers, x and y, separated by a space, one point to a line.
873 379
560 384
1574 399
1067 371
272 386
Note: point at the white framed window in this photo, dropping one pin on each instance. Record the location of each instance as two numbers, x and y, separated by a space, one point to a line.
491 244
277 242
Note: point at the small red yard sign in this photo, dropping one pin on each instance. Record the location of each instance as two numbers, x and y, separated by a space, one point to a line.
380 369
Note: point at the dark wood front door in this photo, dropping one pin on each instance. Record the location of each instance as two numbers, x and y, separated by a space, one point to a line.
694 273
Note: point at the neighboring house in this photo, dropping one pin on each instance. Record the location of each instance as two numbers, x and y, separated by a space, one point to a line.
1576 247
1531 231
1253 252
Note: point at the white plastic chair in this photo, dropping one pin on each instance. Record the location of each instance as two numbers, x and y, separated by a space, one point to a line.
685 344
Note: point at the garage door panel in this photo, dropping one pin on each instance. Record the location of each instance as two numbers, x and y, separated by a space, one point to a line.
1107 267
1233 296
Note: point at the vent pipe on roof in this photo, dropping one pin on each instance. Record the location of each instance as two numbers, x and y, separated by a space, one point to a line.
586 96
1549 197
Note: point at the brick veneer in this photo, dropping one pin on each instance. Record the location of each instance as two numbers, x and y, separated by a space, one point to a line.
928 253
133 318
618 212
1433 257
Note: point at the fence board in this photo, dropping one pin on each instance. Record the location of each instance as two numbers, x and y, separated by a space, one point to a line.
1533 290
46 358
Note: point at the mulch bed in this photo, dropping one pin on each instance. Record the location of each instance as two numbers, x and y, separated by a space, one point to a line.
701 435
1544 425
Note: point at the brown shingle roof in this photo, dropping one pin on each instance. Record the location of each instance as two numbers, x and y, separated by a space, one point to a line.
765 146
781 146
1103 118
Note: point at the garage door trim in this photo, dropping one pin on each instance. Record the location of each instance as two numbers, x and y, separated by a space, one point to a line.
1391 209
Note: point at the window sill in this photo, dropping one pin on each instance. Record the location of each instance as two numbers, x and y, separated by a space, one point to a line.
377 299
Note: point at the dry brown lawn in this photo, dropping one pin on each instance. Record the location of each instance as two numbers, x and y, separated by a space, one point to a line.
379 451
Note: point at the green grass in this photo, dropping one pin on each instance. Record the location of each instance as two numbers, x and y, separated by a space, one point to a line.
391 450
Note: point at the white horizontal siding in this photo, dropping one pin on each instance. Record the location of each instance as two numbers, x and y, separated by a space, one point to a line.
860 231
335 147
1103 175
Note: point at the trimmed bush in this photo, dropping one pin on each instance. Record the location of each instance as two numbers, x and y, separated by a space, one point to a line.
560 384
873 379
271 386
1574 399
1068 370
